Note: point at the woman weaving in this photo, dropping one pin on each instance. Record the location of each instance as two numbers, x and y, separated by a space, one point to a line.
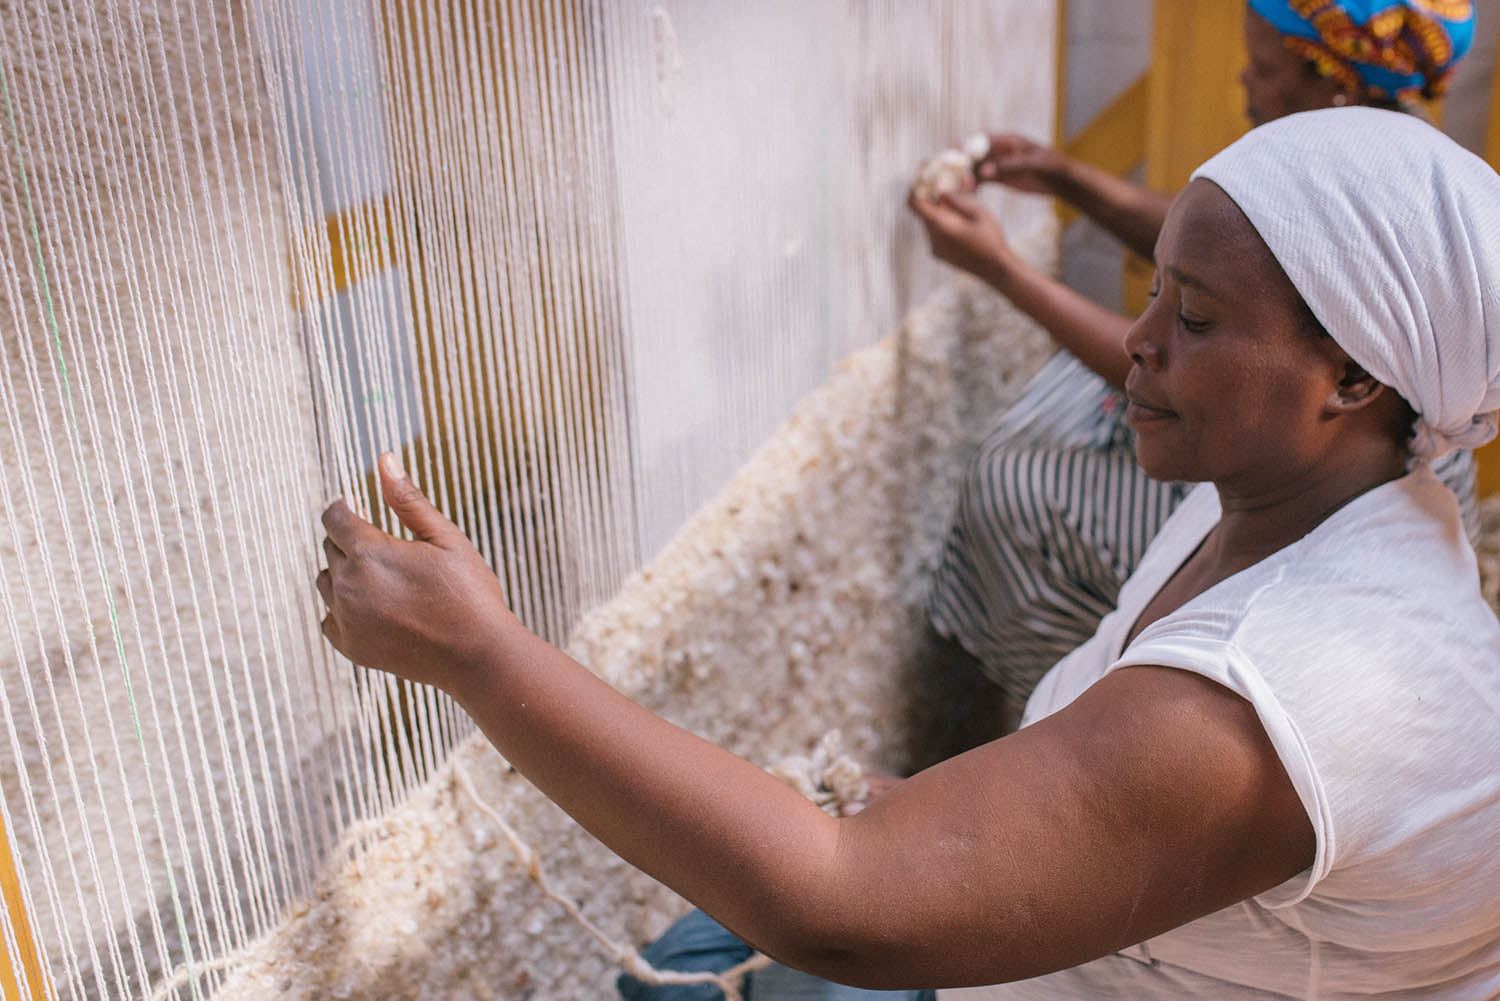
1269 774
1055 511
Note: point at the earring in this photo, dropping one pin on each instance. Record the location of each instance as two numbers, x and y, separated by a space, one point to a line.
1340 99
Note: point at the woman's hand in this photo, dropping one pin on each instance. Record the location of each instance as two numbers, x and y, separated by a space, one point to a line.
1132 213
962 232
1018 162
426 610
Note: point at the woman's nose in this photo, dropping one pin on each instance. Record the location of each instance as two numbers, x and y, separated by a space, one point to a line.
1142 340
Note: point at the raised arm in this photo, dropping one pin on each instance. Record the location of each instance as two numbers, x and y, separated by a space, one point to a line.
1154 799
1132 213
964 233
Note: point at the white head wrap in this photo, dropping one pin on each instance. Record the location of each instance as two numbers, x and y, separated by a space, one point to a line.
1391 233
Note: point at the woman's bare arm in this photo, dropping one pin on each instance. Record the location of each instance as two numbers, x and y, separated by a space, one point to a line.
964 233
1132 213
1152 800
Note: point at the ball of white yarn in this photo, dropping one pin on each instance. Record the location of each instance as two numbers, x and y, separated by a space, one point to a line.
944 174
951 170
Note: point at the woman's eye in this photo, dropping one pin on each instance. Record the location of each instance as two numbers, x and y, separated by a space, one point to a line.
1192 325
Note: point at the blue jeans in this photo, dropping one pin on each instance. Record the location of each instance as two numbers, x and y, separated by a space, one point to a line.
699 943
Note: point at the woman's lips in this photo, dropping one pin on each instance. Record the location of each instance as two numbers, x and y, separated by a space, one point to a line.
1139 412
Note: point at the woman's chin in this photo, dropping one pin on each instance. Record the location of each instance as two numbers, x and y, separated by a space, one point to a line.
1163 464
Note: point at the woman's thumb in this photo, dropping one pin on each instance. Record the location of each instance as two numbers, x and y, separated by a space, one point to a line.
403 496
964 203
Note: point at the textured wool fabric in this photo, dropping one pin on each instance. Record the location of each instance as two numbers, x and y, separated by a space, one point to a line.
1391 233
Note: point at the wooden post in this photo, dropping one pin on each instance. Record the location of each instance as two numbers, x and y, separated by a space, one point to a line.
1115 140
1489 456
37 988
1195 105
1492 145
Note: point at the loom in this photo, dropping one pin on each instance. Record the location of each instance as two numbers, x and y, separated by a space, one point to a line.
632 288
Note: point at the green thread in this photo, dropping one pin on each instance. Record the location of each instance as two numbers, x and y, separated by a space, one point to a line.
96 537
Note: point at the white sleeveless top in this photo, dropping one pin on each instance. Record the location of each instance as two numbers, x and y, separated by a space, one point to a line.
1374 665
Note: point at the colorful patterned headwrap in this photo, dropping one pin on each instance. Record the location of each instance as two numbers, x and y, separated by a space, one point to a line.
1383 48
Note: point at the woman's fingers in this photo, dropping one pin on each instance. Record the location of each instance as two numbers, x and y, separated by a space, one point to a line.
345 528
965 205
920 206
416 512
941 215
1020 163
425 609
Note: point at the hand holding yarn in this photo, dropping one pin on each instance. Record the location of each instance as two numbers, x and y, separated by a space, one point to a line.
428 610
1020 163
965 234
951 171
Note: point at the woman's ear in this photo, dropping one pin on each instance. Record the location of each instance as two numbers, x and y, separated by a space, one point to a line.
1356 390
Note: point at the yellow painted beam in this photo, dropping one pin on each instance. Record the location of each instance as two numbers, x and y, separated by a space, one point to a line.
1489 469
355 244
1437 110
1115 140
37 987
1489 455
1196 105
1135 284
1492 145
